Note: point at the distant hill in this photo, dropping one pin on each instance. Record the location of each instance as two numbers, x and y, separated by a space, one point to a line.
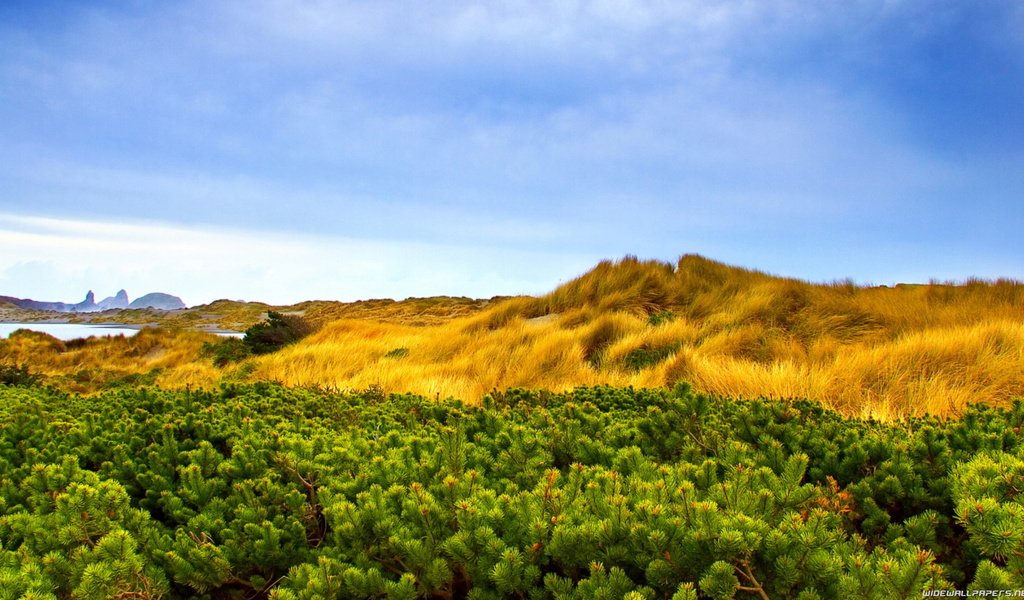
28 304
89 305
158 300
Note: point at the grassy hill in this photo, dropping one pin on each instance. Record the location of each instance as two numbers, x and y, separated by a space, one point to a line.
865 351
870 351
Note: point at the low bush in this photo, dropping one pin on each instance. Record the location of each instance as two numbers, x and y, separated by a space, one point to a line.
18 375
640 358
276 332
264 491
226 351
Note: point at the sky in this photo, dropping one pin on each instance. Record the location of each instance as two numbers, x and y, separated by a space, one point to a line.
290 150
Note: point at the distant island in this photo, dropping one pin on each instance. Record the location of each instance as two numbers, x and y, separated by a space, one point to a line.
120 300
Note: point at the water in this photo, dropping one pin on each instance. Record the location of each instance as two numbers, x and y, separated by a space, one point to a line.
70 331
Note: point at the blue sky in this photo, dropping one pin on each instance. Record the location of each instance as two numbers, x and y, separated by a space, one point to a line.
283 151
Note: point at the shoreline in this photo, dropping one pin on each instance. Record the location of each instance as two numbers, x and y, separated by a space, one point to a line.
111 325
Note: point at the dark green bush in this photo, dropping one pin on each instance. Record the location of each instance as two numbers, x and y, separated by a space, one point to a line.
18 375
639 358
133 380
276 332
226 351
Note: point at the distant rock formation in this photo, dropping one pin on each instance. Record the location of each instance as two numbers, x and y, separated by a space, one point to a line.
158 300
119 301
87 305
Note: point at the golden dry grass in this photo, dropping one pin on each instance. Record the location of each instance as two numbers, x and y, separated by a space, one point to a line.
866 351
154 356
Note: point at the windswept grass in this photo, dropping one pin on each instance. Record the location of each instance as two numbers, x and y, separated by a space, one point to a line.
865 351
152 356
868 351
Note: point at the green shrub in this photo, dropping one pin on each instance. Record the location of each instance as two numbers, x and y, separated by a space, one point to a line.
18 375
226 351
640 358
989 496
662 317
257 490
133 380
276 332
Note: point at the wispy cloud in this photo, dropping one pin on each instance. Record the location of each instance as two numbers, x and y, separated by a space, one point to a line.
43 258
752 131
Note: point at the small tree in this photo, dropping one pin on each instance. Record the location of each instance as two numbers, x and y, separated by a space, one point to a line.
18 375
276 332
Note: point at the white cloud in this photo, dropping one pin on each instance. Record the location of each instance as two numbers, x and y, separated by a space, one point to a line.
445 34
58 259
502 140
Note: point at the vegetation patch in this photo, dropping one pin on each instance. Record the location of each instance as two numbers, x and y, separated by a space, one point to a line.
263 491
132 380
661 317
226 351
641 358
18 375
276 332
601 334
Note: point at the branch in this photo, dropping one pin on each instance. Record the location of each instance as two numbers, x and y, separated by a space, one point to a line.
756 587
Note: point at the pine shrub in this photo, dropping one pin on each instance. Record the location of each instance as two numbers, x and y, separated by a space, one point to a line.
262 491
